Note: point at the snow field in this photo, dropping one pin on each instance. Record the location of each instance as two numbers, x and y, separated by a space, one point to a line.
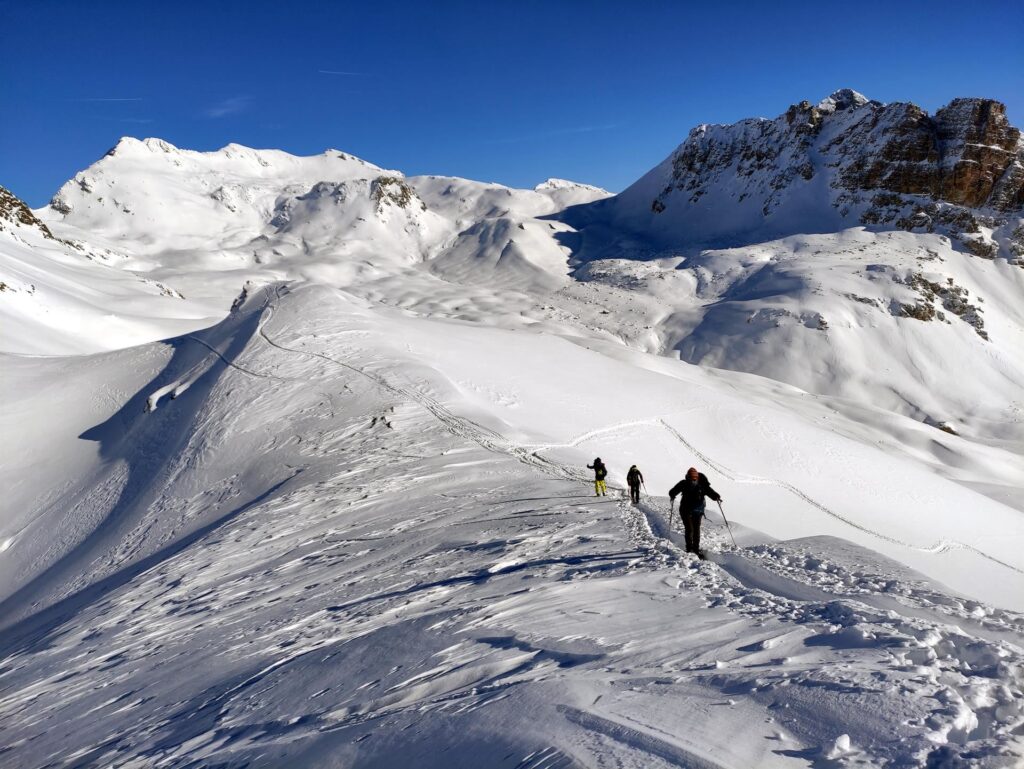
357 535
351 524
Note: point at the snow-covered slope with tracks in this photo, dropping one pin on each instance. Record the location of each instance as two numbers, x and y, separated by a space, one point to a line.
347 522
328 533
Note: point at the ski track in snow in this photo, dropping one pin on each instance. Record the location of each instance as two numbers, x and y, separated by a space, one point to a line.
457 425
530 455
641 739
938 547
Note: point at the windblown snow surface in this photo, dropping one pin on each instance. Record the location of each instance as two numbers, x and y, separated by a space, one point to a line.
350 524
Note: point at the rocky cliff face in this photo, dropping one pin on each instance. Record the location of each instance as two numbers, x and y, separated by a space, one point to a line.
967 154
843 161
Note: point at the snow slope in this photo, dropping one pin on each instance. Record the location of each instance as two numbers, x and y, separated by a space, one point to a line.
872 312
852 248
349 523
60 297
326 532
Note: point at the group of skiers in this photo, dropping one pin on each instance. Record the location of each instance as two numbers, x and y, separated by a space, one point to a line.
692 491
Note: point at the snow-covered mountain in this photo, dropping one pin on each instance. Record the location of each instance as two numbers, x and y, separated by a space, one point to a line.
212 220
843 162
871 247
851 248
69 296
302 482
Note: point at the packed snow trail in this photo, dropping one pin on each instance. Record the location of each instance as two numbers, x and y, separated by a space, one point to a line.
959 653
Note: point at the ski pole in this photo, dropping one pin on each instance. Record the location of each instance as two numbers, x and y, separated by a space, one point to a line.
727 524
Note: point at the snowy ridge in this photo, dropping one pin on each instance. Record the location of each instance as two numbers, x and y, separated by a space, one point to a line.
390 528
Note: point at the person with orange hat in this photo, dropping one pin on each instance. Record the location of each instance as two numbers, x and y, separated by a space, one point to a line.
692 491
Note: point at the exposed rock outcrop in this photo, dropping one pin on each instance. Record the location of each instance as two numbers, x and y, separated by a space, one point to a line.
14 213
843 161
967 154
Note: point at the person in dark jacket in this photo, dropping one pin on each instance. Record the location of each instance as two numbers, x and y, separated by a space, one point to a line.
633 479
692 491
600 473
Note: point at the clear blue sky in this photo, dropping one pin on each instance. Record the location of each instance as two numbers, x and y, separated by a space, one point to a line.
514 92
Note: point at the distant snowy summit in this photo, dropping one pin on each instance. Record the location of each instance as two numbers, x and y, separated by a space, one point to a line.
208 222
147 196
553 184
844 161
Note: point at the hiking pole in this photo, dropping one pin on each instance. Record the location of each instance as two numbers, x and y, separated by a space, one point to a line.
727 524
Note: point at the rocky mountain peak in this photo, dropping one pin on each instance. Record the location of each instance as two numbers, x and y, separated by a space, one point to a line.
843 99
844 161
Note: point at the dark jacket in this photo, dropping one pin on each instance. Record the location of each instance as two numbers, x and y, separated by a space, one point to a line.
600 471
634 477
691 494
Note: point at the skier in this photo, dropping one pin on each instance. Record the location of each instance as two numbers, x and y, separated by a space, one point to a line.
691 492
634 478
600 473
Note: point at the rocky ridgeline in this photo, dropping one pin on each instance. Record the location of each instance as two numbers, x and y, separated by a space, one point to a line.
958 172
14 213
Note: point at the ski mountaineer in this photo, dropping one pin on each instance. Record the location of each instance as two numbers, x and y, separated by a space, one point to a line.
600 473
692 491
634 478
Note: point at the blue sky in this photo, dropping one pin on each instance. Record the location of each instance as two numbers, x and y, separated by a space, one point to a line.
512 93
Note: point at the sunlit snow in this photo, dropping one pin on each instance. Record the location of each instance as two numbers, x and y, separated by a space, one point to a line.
347 521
